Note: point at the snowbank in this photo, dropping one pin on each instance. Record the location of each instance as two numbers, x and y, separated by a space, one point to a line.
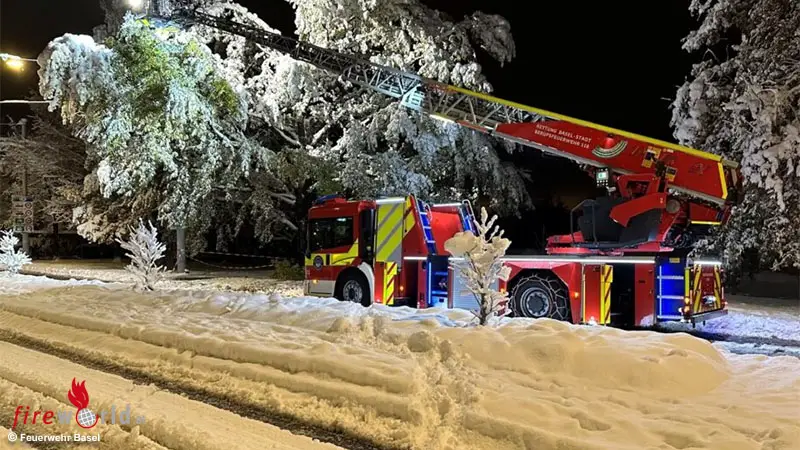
19 283
427 380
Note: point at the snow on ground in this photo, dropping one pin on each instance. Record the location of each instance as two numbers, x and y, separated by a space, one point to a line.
25 283
416 378
166 418
218 280
5 444
755 317
758 349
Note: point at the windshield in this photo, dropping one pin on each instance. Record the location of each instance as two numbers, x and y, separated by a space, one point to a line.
324 234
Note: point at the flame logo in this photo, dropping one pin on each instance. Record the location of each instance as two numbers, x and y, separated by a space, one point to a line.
78 395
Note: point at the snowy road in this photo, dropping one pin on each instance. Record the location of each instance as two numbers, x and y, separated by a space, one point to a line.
23 348
201 366
753 325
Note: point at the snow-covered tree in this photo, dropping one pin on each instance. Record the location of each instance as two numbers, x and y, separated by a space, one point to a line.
164 129
55 164
742 102
145 251
11 258
353 139
481 266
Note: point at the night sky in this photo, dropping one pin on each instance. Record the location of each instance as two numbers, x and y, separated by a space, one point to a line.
607 62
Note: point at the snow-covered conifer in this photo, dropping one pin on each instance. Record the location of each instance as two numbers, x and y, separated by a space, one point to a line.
144 250
741 102
481 266
11 258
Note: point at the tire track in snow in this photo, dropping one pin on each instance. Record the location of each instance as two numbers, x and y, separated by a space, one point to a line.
236 406
114 437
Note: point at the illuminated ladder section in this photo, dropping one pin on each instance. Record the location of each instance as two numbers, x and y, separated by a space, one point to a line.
467 217
425 221
471 109
413 91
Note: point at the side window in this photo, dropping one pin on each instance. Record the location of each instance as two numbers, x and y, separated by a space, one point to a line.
342 232
326 234
318 232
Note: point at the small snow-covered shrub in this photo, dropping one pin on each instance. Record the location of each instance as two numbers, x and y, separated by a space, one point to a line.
144 250
285 270
482 265
12 259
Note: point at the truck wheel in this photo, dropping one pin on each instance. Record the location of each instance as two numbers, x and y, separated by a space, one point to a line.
352 287
540 295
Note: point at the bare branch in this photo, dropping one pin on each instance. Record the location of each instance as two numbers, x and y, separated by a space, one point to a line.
292 140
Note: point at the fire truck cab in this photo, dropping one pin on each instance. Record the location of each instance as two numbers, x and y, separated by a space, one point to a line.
388 250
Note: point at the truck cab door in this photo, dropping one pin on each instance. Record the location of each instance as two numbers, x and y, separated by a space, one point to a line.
331 248
366 236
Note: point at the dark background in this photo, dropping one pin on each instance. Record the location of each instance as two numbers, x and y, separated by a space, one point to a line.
615 63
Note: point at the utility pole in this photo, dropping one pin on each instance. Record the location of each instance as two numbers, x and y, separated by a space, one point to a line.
26 237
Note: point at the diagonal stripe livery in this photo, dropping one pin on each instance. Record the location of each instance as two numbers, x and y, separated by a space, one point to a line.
607 277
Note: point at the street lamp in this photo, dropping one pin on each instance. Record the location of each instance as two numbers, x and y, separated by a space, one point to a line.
18 63
15 62
136 5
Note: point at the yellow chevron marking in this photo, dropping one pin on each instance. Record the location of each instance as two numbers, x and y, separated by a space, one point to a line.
390 234
607 277
390 274
697 289
409 220
687 279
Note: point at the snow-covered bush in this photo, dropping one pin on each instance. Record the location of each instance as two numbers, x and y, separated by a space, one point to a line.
144 250
482 266
742 102
10 257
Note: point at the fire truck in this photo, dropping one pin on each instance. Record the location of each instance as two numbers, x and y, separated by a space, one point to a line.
624 262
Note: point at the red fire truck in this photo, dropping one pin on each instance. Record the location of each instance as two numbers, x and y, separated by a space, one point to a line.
624 261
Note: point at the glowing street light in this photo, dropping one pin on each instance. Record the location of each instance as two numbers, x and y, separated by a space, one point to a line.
136 5
15 62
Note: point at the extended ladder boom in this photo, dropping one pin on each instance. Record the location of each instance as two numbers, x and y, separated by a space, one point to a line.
693 172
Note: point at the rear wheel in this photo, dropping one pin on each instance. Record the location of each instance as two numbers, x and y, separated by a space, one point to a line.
541 295
353 287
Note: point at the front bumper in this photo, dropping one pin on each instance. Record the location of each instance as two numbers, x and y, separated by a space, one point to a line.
702 317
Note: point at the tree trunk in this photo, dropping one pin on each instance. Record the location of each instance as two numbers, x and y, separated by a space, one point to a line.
180 245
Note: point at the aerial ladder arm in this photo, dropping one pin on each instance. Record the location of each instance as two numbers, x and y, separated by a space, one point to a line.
698 174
